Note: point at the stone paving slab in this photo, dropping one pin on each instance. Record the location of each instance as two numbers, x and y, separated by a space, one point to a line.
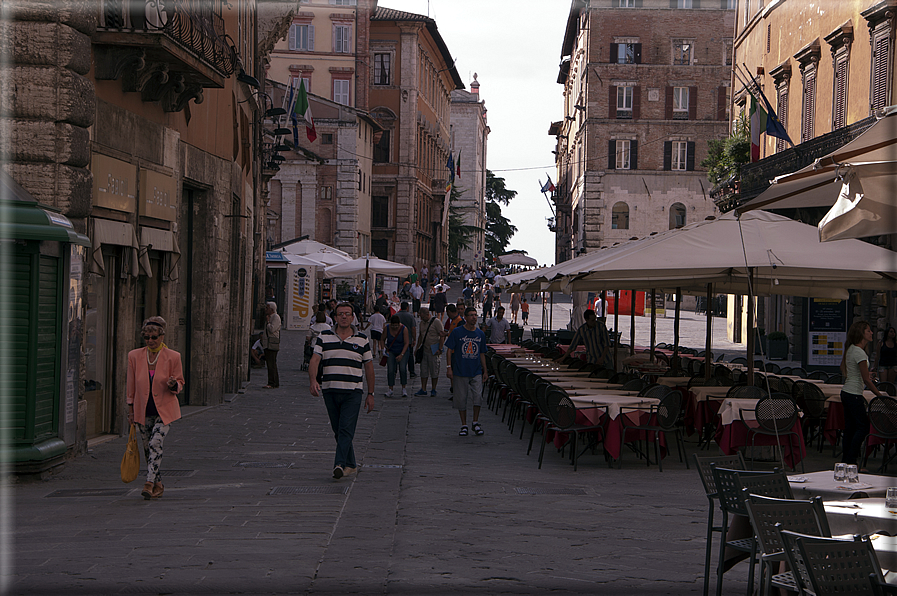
428 513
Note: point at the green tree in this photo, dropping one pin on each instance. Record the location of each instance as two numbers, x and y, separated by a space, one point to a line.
725 157
499 228
459 234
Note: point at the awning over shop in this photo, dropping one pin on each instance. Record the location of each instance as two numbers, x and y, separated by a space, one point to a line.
115 233
163 241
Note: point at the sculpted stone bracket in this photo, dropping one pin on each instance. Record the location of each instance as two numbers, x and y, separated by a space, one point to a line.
153 80
112 61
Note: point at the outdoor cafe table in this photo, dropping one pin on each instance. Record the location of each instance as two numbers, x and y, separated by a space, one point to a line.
860 516
732 433
822 484
834 420
702 405
591 408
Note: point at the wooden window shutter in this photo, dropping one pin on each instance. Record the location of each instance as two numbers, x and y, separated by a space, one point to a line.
840 100
637 50
721 103
636 102
633 155
668 113
612 102
292 41
311 38
690 156
668 155
613 53
880 55
782 113
692 103
611 155
807 130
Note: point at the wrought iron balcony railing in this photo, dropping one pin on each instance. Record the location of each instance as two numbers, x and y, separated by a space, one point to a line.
195 25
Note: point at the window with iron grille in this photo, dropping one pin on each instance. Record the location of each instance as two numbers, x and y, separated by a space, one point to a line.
683 52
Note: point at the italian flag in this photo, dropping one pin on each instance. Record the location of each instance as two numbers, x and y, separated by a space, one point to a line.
758 127
302 110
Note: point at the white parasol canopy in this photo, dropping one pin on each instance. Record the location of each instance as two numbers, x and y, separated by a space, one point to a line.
858 180
366 265
785 257
516 258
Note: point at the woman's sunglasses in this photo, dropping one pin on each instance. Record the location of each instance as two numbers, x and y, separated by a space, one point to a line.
150 337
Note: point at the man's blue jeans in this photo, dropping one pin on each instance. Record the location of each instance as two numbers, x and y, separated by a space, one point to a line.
343 406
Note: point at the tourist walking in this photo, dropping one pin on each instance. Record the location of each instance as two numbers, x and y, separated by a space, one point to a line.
466 369
398 343
430 342
271 344
499 328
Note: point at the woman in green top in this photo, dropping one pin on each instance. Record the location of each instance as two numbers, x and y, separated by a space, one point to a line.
855 368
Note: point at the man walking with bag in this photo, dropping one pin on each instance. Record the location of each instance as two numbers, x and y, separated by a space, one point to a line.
429 348
346 359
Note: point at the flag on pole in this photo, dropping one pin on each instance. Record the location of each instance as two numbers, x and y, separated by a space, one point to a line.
459 163
450 165
774 126
302 111
548 186
758 126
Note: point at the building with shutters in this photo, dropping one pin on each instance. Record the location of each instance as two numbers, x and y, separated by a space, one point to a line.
645 86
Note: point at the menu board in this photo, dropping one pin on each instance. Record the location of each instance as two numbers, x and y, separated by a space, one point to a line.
826 331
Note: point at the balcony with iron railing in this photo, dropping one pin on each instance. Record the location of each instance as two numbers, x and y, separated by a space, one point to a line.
757 177
167 50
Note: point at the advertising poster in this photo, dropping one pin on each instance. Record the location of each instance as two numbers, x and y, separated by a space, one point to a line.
301 291
826 331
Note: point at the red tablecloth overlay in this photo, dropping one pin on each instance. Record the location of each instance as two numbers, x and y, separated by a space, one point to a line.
730 437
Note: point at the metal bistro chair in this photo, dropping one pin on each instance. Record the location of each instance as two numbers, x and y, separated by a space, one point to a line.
883 422
817 375
833 566
541 419
768 515
732 462
562 413
835 379
888 387
731 502
634 385
776 416
811 400
663 418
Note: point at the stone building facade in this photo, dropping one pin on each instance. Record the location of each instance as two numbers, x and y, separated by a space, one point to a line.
469 136
413 75
645 87
138 122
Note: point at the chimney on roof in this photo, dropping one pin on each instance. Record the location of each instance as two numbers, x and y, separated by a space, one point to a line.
475 86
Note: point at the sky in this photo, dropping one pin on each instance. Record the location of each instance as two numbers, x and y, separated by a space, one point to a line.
515 50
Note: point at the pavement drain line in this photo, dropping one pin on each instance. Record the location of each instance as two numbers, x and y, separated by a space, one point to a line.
549 491
309 490
382 466
262 464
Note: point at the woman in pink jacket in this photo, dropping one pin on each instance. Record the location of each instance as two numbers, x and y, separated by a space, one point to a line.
155 378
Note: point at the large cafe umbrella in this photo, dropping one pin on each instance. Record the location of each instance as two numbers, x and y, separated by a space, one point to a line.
858 181
366 266
516 258
762 253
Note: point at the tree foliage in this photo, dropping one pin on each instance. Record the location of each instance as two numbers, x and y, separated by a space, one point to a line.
725 157
459 233
499 228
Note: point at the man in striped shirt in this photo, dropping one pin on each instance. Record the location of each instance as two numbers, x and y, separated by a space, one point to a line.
593 334
346 360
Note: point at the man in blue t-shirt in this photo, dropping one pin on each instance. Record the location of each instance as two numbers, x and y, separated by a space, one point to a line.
466 369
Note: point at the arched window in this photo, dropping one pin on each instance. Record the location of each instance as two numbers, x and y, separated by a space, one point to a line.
619 218
677 215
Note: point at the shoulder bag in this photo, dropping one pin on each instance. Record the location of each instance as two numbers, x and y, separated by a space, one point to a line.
130 463
419 353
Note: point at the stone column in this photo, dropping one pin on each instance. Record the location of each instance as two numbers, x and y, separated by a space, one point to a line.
288 209
406 181
308 197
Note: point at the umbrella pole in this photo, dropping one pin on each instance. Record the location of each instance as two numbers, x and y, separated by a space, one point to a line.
750 327
653 322
632 324
674 363
367 269
708 358
551 312
616 326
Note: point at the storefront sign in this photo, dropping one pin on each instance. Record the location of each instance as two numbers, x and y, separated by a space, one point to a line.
114 183
300 285
158 197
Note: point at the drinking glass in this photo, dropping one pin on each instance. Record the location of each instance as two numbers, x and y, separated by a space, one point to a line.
853 474
840 472
891 498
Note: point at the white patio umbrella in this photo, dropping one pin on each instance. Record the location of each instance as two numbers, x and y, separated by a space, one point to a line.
858 181
516 258
366 265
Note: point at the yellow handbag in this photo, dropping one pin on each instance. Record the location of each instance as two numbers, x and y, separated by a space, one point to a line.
130 463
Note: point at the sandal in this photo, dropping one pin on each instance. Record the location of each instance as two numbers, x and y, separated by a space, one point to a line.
462 432
477 429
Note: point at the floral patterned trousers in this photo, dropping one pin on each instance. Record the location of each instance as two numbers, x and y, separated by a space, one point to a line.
153 432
